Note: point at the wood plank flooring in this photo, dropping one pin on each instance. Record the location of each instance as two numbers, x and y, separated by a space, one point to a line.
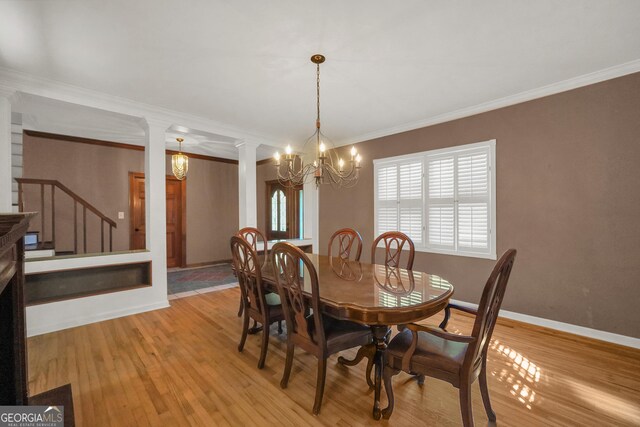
180 366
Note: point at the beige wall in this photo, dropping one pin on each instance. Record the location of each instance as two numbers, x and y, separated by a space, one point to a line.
568 170
96 173
100 175
212 209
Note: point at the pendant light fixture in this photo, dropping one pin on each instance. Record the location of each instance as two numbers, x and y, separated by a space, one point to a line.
322 163
180 163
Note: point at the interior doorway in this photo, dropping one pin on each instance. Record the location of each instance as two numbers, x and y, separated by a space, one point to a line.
176 194
285 213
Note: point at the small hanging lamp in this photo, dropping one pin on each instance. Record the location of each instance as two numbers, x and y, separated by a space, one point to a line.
180 163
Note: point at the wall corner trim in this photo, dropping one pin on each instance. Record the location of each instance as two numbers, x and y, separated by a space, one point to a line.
564 327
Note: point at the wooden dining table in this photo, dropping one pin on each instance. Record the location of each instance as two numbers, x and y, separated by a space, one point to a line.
374 295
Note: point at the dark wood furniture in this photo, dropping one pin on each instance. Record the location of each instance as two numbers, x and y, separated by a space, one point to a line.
252 236
359 297
457 359
59 396
315 332
254 300
346 237
394 242
13 343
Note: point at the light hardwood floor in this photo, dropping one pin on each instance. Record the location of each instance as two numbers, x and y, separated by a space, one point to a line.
180 366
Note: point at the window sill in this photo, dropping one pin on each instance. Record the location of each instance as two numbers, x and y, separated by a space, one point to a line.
491 256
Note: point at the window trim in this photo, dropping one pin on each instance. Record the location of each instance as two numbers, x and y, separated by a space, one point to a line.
423 156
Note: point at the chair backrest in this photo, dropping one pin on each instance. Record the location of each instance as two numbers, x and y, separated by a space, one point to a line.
489 307
247 267
346 238
252 235
394 241
291 268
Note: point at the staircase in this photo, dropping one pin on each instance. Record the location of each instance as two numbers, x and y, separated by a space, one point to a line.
47 211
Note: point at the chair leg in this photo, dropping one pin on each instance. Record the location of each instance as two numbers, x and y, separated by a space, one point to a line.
484 391
287 366
241 308
387 374
465 404
447 314
279 326
245 330
322 375
264 346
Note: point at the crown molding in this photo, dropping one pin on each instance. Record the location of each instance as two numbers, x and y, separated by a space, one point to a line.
12 81
551 89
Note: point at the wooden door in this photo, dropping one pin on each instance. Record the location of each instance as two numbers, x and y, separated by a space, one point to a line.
174 222
283 211
176 217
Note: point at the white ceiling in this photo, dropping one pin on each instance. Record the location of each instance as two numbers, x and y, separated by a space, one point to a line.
64 118
390 65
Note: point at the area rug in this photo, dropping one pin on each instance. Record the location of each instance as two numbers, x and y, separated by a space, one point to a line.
192 279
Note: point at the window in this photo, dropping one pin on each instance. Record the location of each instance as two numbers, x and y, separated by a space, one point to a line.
444 200
284 211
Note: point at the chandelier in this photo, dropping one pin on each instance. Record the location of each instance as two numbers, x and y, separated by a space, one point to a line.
180 163
319 160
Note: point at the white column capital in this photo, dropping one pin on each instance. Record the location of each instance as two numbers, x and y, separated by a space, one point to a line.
154 123
247 144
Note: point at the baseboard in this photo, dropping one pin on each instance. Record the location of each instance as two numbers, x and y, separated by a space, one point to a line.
208 263
564 327
98 317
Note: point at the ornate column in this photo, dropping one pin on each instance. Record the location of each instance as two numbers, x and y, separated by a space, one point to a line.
247 190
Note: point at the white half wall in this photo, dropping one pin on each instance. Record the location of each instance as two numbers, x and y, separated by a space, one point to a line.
54 316
50 317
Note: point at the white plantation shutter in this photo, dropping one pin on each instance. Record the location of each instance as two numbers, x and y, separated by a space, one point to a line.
443 199
473 200
387 202
441 202
410 200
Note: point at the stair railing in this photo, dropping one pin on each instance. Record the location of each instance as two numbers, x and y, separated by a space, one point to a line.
77 200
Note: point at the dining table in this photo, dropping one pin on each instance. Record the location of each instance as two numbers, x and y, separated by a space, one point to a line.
375 295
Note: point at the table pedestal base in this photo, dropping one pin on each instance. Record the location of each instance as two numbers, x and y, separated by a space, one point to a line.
380 334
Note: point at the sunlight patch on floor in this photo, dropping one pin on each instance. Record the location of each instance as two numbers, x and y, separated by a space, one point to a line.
602 401
525 376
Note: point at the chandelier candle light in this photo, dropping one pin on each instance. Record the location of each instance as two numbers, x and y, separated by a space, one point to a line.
180 163
324 164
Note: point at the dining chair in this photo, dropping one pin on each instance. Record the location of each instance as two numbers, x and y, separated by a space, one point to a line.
258 305
252 236
457 359
346 237
394 242
307 327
